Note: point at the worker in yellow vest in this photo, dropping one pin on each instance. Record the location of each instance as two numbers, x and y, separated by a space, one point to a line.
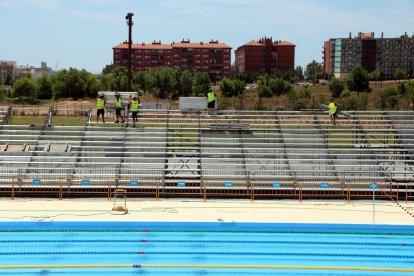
211 101
134 110
100 108
333 110
118 108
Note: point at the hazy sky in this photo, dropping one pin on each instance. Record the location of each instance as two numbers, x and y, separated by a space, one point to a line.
81 33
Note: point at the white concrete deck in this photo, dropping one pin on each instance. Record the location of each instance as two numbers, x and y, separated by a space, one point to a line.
322 211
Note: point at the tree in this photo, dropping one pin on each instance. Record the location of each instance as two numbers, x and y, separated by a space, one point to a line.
44 87
24 87
109 68
375 75
139 81
314 71
409 92
279 87
299 72
104 82
299 100
400 74
358 80
119 79
201 84
336 86
389 98
74 83
186 83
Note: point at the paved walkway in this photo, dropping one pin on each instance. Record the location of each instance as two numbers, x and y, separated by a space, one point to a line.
357 212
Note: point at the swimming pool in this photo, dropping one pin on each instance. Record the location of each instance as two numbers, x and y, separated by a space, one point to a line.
175 248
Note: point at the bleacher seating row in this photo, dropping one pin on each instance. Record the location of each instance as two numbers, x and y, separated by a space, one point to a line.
253 150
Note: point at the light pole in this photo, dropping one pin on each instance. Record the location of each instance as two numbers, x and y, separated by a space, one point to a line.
128 18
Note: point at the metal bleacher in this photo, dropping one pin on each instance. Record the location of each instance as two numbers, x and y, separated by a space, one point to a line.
252 154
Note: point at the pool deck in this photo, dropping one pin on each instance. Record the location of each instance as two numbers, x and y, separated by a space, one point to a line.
214 210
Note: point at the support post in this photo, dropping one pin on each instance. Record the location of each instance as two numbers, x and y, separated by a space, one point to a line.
129 23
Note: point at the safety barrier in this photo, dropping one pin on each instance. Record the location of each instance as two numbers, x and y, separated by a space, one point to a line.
205 189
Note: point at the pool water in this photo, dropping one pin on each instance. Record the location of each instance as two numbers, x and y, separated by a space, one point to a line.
175 248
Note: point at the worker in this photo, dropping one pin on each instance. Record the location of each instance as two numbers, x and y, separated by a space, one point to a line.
118 108
134 110
333 110
211 101
100 108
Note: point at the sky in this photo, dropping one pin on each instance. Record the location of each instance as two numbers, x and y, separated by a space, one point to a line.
81 33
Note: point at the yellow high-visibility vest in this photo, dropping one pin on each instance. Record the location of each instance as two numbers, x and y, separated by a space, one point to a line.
100 103
210 96
134 106
118 103
332 108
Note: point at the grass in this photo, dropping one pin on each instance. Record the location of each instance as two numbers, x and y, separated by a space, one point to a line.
56 121
320 94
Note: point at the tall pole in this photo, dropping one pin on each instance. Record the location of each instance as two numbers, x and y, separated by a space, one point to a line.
130 23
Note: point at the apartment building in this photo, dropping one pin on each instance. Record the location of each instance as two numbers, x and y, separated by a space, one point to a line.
213 58
265 55
341 55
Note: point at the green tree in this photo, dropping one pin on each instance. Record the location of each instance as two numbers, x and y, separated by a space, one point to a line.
299 99
336 86
279 87
375 75
232 88
109 68
348 101
44 87
358 80
24 87
165 81
299 73
140 81
119 80
201 84
389 98
409 92
74 83
400 74
362 101
105 82
264 90
186 83
314 71
92 86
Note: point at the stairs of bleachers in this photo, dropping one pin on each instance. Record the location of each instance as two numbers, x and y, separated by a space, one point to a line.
251 154
5 115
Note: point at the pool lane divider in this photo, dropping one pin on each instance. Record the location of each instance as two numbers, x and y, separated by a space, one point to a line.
217 253
209 241
193 266
202 231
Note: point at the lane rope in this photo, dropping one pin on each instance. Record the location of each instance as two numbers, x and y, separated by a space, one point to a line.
188 266
202 231
208 241
394 256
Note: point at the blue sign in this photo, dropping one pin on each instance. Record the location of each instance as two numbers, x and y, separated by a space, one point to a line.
228 184
276 185
325 185
181 184
36 181
133 182
85 182
373 186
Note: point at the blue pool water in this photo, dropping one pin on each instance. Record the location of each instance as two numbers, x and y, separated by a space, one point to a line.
173 248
